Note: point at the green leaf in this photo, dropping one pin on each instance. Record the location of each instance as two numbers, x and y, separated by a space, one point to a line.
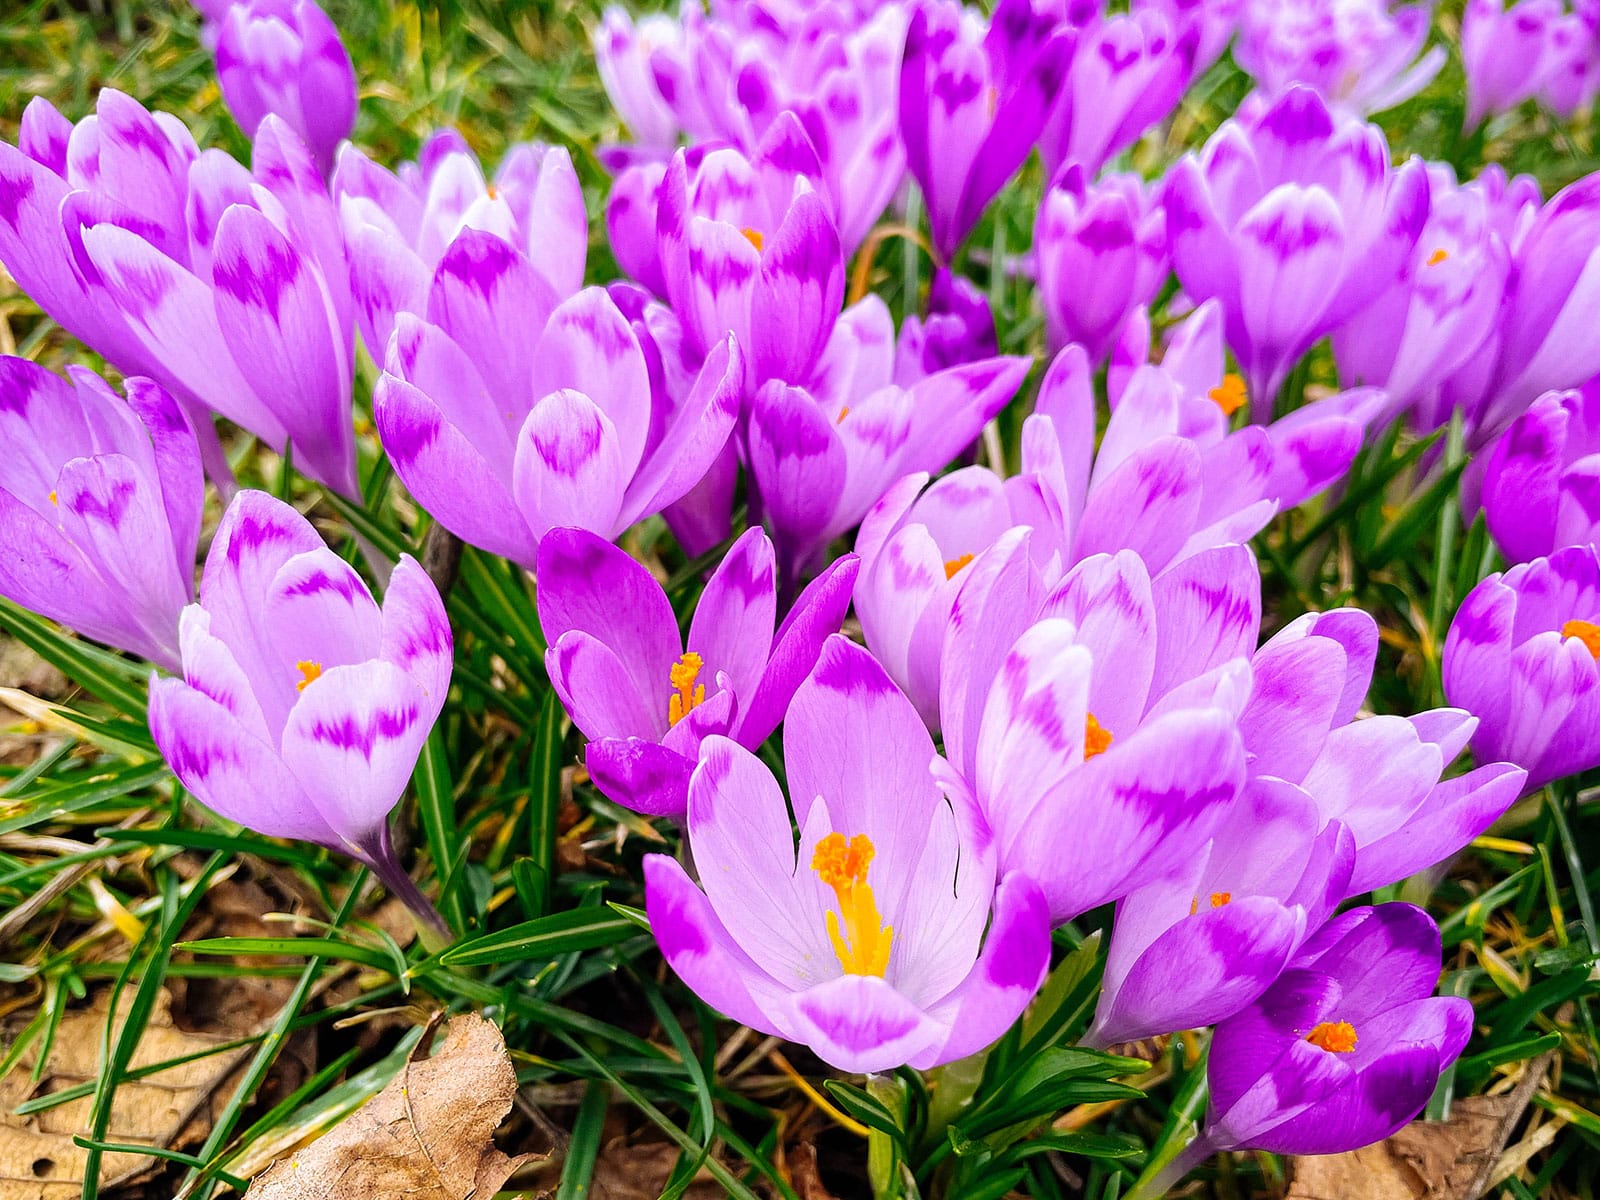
436 809
864 1108
115 680
1090 1145
320 947
544 781
544 938
584 1148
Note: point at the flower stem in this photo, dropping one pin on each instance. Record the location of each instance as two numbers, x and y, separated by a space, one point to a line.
431 927
1150 1187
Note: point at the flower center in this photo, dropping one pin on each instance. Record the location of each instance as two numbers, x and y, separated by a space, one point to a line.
754 237
1096 738
1438 256
1229 395
859 936
1336 1037
1218 899
687 693
53 498
955 565
308 671
1586 632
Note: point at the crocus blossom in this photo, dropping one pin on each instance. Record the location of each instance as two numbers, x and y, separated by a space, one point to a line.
644 696
285 57
1094 726
99 506
1362 55
397 226
303 705
1196 946
1101 251
1293 220
867 943
973 100
957 329
508 414
1379 776
226 286
1529 48
1521 657
1344 1049
623 48
1541 488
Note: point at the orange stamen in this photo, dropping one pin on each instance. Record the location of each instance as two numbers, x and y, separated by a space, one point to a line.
857 932
1586 632
1230 395
1096 738
687 692
954 566
311 672
754 237
1336 1037
1438 256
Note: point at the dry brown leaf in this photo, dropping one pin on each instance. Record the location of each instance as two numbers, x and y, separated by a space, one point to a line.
38 1159
1427 1160
427 1136
640 1172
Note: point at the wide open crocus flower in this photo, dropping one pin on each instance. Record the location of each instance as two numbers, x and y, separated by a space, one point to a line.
1127 72
1293 220
868 943
507 414
1379 776
1541 489
1362 55
1099 747
748 248
973 100
285 57
818 461
397 226
1102 252
1442 311
303 705
1521 657
1344 1049
226 286
1195 947
643 696
99 506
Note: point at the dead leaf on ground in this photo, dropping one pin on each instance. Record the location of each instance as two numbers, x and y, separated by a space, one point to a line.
1427 1160
38 1159
427 1136
640 1172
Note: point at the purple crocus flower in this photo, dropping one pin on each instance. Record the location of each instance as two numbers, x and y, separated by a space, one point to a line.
820 459
1094 726
749 248
508 414
1541 489
958 329
398 226
645 699
972 103
1195 947
1127 73
1441 312
1213 24
303 705
622 52
868 942
226 286
1521 657
99 506
1510 53
1293 220
1360 54
1344 1049
285 57
1102 252
1379 776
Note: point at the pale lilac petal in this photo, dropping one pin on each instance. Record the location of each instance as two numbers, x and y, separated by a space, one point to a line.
569 470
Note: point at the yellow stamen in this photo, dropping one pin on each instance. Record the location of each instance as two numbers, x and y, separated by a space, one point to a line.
53 499
1218 899
1336 1037
753 236
954 566
843 413
859 936
493 192
1438 256
311 671
1230 395
688 693
1586 632
1096 738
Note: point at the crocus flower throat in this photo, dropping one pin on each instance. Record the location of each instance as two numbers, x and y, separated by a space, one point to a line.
859 936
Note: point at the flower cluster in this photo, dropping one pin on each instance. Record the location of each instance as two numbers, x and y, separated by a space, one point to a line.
1061 697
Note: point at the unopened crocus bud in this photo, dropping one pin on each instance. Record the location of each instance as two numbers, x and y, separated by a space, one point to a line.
958 329
1521 657
99 506
1541 490
1509 53
285 57
303 705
